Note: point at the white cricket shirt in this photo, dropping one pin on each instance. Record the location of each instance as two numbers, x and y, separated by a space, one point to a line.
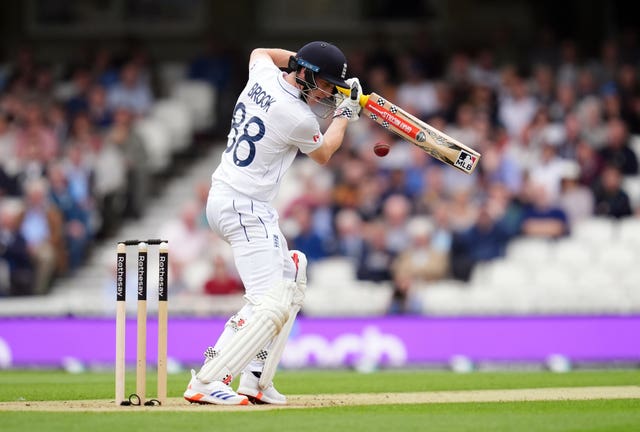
270 123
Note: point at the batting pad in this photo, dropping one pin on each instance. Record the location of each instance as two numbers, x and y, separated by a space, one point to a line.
268 318
275 353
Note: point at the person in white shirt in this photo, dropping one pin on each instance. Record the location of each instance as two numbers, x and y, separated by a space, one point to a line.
274 117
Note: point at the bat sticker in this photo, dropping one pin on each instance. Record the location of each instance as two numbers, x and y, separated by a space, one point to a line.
465 161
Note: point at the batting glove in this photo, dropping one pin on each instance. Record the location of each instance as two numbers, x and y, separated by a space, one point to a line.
350 107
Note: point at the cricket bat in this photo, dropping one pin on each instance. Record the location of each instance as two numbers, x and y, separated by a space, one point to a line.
436 143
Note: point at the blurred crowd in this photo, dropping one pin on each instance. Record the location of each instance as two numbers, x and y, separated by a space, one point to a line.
556 135
555 130
73 165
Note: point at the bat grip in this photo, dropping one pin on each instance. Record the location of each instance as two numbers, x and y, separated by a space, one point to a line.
347 92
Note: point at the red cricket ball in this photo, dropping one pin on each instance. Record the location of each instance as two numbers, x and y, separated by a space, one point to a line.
381 149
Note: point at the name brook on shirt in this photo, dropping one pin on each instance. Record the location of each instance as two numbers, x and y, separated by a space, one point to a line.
260 97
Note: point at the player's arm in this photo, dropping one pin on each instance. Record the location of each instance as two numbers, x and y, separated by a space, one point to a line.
333 137
346 112
279 57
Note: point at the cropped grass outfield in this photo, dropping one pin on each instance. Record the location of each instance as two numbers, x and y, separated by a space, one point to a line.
566 415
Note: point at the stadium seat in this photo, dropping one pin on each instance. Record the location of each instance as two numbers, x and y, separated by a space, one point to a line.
332 274
572 254
157 141
631 185
442 299
531 251
618 258
595 231
635 145
177 117
629 231
169 74
200 97
509 275
553 277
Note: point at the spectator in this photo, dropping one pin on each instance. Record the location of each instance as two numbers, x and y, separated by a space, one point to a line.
222 281
350 240
36 144
100 114
463 210
77 101
590 163
14 253
416 94
42 228
111 181
136 159
564 102
589 113
396 213
548 171
610 199
576 199
84 136
374 262
568 144
131 92
192 240
421 260
484 241
517 109
541 218
9 169
617 151
307 239
77 220
499 166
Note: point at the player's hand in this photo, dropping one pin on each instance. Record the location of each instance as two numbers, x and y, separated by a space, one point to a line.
350 107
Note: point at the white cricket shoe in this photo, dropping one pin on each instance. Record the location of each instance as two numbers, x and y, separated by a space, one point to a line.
215 392
249 387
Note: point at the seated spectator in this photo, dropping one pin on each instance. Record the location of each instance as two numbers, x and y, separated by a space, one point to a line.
350 240
77 221
463 210
193 246
617 151
100 114
499 166
9 170
84 135
307 239
36 143
396 212
542 218
14 254
77 100
548 170
110 184
42 227
484 241
419 262
610 199
576 199
132 92
374 262
590 163
138 170
222 281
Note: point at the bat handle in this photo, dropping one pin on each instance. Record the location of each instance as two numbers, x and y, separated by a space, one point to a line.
349 92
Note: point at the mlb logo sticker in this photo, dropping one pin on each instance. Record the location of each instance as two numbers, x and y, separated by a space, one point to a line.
466 161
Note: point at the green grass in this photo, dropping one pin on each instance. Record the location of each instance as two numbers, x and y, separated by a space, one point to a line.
595 415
